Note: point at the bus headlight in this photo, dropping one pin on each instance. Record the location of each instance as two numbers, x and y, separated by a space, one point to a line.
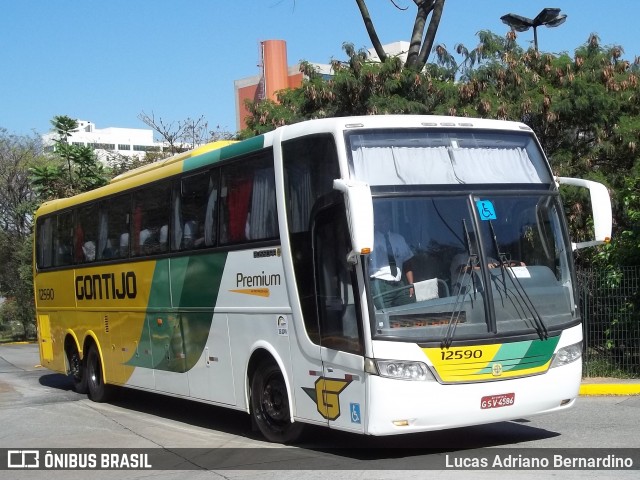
403 370
567 355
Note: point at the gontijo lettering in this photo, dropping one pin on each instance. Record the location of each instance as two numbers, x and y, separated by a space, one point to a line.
106 286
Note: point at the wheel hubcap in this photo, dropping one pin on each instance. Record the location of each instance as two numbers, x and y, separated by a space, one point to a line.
274 401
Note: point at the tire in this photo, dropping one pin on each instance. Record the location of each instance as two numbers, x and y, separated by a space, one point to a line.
98 391
270 406
78 370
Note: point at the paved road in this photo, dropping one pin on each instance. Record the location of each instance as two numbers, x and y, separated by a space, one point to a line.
39 409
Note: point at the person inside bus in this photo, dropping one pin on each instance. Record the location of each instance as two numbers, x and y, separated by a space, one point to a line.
89 251
123 245
467 262
154 239
390 268
190 230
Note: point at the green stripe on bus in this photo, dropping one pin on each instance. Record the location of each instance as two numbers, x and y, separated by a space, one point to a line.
195 280
539 353
523 355
176 337
510 355
230 151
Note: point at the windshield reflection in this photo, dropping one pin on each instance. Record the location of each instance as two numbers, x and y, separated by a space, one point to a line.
467 267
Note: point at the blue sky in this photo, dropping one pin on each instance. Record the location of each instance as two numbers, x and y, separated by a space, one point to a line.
107 61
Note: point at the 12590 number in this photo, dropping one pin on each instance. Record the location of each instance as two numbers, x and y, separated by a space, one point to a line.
46 294
461 354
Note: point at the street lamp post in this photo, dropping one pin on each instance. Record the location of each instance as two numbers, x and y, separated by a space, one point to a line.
549 17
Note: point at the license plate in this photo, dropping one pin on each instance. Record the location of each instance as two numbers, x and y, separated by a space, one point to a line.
497 401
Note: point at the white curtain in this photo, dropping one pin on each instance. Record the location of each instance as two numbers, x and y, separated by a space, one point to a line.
300 199
210 217
177 222
442 165
403 165
103 233
262 221
46 243
493 165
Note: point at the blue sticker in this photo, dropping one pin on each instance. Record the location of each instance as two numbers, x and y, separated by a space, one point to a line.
355 412
486 210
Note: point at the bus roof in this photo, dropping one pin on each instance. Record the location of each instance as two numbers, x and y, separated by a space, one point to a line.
205 155
214 152
176 158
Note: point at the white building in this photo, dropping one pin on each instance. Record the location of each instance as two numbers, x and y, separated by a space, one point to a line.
105 141
395 49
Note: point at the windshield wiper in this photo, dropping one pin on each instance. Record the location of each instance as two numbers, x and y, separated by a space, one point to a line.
471 263
522 298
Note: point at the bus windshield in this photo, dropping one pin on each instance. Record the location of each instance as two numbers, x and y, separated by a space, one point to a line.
468 266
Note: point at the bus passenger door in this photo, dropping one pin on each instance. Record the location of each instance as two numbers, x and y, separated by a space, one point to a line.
341 337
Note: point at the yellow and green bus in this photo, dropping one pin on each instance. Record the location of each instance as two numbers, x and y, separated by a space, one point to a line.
379 275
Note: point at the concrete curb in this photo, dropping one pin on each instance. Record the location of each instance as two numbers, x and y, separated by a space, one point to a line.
590 389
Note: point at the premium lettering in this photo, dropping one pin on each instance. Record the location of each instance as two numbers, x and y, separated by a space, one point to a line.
262 280
106 286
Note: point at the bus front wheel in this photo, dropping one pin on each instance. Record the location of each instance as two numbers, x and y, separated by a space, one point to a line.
98 390
270 405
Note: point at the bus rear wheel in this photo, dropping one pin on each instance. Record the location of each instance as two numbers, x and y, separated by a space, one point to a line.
270 406
98 390
78 371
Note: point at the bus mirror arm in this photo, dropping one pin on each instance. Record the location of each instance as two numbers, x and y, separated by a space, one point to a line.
600 206
359 206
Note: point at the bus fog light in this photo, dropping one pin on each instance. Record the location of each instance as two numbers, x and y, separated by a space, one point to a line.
567 355
403 370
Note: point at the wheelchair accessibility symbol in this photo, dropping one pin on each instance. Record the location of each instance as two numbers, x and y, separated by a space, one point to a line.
486 210
355 412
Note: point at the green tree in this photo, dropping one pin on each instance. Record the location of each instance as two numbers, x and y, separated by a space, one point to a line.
16 285
584 109
118 163
64 126
17 199
17 203
70 169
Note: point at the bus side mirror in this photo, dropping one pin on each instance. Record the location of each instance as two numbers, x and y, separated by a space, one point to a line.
357 196
600 206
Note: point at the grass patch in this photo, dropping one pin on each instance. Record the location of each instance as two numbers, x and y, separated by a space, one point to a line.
604 367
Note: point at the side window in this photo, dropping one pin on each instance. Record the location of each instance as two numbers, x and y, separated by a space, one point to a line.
113 238
194 202
150 220
85 234
211 210
310 166
248 200
62 240
338 312
44 237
